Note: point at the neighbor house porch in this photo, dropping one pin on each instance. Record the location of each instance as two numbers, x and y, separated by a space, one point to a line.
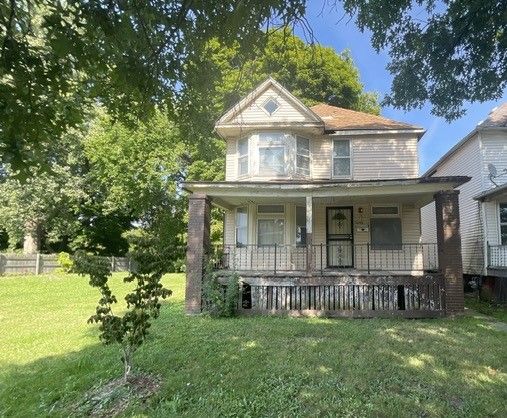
332 248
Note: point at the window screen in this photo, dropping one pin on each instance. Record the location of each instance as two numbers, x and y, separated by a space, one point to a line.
385 233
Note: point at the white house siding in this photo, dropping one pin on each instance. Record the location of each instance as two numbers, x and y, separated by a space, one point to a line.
255 113
373 157
381 157
231 160
466 161
494 151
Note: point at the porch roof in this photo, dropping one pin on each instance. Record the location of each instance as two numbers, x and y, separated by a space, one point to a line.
418 190
491 194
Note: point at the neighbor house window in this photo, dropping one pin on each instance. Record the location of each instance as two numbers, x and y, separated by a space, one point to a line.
303 155
271 154
341 158
270 224
241 227
503 223
300 225
385 226
243 156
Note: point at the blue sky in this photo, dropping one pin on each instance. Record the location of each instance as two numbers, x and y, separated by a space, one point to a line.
440 135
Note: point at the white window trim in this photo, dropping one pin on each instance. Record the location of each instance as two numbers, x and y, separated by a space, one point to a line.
336 176
266 101
247 138
385 215
297 169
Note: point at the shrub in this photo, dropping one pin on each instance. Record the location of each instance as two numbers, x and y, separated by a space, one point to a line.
220 300
65 261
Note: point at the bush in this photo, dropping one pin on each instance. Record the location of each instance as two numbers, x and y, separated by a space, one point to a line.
221 300
65 261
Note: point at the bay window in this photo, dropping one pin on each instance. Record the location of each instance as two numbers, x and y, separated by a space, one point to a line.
243 156
272 149
303 155
341 158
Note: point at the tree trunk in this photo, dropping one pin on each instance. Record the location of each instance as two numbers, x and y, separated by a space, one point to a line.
33 237
127 363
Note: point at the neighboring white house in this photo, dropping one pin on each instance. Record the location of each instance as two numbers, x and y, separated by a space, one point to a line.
319 191
481 155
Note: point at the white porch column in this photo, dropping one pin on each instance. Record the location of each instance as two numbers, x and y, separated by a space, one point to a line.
309 234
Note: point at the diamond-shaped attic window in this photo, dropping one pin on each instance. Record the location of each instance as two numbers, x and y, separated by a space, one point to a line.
271 106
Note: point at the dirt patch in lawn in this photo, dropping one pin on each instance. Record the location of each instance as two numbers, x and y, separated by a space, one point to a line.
114 397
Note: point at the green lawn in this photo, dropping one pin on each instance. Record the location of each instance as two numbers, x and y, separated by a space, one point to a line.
250 366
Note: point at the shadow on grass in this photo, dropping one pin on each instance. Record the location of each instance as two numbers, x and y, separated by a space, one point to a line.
267 366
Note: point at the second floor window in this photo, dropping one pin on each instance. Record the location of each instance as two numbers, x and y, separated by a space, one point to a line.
243 157
271 154
303 155
341 158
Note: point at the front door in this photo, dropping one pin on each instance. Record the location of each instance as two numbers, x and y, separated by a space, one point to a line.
339 235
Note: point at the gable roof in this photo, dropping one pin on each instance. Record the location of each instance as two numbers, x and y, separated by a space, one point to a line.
497 119
340 119
269 82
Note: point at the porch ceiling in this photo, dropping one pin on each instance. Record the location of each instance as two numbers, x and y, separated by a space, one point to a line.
417 191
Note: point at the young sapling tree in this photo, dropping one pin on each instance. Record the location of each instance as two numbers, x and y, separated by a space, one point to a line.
129 330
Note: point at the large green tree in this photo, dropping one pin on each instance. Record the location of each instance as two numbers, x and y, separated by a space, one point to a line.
138 171
443 52
220 76
57 57
44 209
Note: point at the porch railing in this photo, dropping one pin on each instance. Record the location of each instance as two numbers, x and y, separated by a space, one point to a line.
497 256
322 257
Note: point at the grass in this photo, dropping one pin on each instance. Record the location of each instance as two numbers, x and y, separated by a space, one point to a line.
491 309
250 366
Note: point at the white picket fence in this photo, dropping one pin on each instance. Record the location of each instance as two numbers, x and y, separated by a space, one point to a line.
46 263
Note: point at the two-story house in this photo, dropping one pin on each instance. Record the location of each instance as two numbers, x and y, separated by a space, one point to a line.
481 155
322 213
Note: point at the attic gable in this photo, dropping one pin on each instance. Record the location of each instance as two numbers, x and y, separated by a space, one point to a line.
269 104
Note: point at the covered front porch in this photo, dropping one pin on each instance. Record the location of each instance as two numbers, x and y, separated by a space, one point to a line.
494 213
334 248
